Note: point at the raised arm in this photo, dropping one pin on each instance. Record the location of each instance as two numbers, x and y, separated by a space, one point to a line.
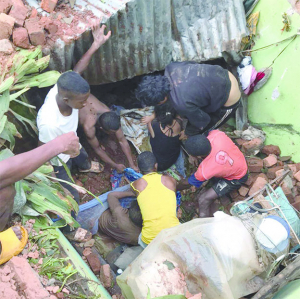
17 167
90 132
125 148
99 39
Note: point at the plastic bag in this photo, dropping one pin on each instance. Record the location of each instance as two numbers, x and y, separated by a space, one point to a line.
213 256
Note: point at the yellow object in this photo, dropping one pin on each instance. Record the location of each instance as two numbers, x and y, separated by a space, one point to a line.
251 24
158 207
10 243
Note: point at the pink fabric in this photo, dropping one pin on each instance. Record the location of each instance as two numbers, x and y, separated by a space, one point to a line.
256 79
225 160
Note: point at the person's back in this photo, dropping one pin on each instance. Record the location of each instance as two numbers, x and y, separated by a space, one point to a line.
158 207
156 197
224 161
197 85
164 136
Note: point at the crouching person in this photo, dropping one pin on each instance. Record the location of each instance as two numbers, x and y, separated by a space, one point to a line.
222 162
124 225
14 239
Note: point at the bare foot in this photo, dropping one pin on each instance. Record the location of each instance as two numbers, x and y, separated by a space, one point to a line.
18 233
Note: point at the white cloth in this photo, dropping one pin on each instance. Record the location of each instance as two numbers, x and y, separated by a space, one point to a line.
51 123
245 71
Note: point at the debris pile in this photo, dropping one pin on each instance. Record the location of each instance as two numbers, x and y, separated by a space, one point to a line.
25 27
265 163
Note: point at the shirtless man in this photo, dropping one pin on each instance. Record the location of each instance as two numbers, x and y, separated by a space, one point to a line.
207 95
16 168
90 115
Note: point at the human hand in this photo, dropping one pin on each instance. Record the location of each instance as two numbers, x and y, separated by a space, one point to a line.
134 167
70 144
147 119
98 34
182 136
120 167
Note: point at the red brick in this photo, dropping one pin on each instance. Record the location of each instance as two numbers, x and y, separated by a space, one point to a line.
250 180
49 25
278 173
293 168
252 147
243 191
105 276
297 176
19 12
280 163
20 38
258 184
94 262
6 47
298 166
298 186
270 161
5 6
35 31
6 25
255 164
234 194
296 204
271 149
87 251
34 13
239 198
288 193
48 5
271 174
264 176
240 141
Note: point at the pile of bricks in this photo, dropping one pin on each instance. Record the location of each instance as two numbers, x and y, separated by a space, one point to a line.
266 168
22 26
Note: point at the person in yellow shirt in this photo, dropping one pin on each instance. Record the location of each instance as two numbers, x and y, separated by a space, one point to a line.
156 197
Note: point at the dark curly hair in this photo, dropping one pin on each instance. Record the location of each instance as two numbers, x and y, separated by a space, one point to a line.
165 114
197 145
152 90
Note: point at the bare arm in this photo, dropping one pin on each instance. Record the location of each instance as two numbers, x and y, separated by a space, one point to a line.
125 148
113 198
90 132
150 129
99 40
16 168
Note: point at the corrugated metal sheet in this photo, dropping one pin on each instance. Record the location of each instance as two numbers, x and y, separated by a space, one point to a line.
203 29
149 34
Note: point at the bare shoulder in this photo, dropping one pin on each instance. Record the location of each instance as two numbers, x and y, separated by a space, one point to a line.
168 182
97 105
140 184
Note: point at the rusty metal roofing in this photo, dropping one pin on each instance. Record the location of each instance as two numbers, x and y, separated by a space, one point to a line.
148 34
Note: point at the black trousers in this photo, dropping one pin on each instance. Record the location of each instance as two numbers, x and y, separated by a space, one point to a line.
217 119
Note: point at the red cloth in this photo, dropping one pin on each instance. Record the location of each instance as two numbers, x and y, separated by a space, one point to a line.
250 88
224 161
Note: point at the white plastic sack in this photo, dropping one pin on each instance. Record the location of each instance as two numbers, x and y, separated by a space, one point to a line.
213 256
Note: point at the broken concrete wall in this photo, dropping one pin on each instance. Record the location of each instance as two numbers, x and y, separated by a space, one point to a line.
148 34
275 107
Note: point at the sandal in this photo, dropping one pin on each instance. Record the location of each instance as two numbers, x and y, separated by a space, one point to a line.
79 235
11 245
96 167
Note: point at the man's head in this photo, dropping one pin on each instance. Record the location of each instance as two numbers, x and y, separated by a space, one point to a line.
135 214
109 122
73 89
153 90
198 146
147 162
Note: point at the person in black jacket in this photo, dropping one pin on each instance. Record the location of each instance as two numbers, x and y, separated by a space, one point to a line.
207 95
